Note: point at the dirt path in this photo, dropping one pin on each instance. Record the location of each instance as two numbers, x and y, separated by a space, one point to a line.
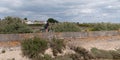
106 43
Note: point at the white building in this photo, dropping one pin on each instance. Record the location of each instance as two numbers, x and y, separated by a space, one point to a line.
34 22
29 22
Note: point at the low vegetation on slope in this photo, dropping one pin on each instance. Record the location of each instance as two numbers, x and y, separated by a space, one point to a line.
104 54
16 25
100 26
65 27
34 48
77 27
13 25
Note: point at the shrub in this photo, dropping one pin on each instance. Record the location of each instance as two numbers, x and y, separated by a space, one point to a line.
44 57
32 48
101 53
115 54
17 28
99 26
65 27
57 45
65 57
47 57
13 25
105 27
75 57
81 54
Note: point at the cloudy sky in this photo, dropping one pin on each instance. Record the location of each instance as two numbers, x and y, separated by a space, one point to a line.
63 10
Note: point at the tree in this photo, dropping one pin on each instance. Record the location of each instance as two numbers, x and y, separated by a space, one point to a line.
51 20
25 18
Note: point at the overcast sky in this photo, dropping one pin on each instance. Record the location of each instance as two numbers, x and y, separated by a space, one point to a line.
63 10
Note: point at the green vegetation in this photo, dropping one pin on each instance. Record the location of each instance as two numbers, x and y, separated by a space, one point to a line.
17 25
76 27
51 20
65 57
25 18
35 25
65 27
106 26
13 25
115 53
57 45
81 54
32 48
100 26
104 54
101 53
44 57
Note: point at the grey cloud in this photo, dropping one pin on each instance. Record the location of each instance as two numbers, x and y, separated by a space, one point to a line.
64 10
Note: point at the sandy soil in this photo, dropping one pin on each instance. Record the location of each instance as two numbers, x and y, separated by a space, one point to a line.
15 53
12 53
105 43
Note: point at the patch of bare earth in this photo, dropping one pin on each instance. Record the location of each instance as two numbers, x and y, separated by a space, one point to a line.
13 50
105 43
11 53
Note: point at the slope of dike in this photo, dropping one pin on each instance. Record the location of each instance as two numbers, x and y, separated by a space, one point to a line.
105 42
108 40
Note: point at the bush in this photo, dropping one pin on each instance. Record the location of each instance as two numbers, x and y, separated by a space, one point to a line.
44 57
57 45
47 57
32 48
81 54
65 27
17 28
101 53
65 57
99 26
115 54
13 25
106 27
